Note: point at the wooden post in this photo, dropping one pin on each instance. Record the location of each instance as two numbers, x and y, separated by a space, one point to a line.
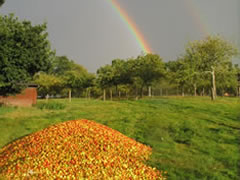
47 97
70 95
239 90
203 91
195 89
89 94
136 93
111 95
149 91
104 94
183 92
238 77
213 92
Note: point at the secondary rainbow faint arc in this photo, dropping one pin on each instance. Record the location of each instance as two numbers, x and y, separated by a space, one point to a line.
196 16
132 26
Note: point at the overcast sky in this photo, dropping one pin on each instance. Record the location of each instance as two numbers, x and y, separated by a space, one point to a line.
92 33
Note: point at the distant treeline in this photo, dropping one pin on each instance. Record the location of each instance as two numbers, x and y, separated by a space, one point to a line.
205 68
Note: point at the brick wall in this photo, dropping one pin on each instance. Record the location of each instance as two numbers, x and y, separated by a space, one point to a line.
27 98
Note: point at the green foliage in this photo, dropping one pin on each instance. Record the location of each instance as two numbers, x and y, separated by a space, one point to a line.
61 64
2 2
78 78
24 51
63 76
105 76
149 68
122 72
51 105
48 84
214 51
203 60
131 74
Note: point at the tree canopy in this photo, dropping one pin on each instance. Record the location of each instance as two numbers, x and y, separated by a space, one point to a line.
24 51
2 2
214 55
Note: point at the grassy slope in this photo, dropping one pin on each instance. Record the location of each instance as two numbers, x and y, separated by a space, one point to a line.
192 138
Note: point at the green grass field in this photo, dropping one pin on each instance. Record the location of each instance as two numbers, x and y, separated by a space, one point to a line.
192 138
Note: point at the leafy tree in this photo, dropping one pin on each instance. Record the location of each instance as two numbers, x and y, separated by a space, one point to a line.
76 78
105 77
48 84
226 80
122 73
210 55
148 68
24 51
2 2
61 64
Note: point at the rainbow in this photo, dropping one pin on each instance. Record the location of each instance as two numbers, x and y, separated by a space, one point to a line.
197 19
189 4
132 26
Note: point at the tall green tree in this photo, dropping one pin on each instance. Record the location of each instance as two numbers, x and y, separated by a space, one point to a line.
48 84
24 51
122 73
62 64
177 74
148 68
105 78
210 55
76 78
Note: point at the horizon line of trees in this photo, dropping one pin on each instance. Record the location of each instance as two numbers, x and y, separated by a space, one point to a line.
26 57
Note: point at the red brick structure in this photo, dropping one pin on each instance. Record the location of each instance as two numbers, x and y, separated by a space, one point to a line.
27 98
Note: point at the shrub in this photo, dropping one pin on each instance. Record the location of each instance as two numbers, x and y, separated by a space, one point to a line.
50 105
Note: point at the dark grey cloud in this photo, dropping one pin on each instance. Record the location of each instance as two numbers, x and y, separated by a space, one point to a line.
92 33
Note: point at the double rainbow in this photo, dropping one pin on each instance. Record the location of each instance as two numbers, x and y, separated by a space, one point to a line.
139 36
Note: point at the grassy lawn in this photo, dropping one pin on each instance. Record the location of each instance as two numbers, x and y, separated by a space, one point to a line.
192 138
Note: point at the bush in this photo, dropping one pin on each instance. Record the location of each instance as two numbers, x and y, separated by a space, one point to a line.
50 105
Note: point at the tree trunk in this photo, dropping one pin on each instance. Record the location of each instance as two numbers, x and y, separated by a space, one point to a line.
183 92
203 92
161 92
213 93
116 87
111 94
195 89
239 91
47 97
136 93
141 91
70 95
89 94
119 94
149 91
104 94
